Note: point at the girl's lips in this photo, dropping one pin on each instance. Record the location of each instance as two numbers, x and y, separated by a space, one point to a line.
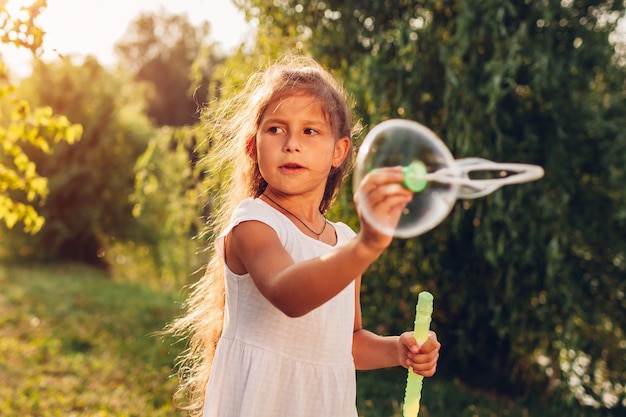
291 167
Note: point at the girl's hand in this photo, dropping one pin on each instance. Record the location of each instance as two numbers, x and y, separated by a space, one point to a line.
423 359
385 197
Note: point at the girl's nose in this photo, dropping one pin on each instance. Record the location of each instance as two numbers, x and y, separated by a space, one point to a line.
292 144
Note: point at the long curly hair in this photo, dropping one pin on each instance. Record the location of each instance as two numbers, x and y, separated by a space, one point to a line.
233 130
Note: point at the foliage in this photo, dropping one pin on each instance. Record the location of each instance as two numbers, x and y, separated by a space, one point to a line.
173 57
21 186
380 393
19 179
19 28
91 181
528 281
169 203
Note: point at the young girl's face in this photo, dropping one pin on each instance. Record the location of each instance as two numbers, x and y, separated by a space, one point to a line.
296 147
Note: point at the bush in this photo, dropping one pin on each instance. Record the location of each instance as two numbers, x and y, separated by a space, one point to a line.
90 181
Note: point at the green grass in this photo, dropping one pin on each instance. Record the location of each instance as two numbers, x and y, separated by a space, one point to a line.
75 342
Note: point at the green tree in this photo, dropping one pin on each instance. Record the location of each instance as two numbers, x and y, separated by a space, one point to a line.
22 187
528 281
162 50
169 202
91 181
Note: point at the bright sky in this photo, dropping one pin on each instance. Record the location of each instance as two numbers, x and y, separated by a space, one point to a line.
81 27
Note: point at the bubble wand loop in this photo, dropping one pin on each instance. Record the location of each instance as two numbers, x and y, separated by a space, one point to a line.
430 171
413 391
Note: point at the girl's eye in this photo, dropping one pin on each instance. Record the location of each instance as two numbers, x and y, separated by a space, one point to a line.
309 131
275 130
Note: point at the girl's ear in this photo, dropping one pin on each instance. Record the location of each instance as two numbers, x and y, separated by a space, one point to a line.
251 148
342 147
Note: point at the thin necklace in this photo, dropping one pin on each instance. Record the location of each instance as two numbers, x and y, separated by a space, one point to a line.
319 235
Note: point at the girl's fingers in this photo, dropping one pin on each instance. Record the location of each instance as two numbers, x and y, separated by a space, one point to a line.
426 371
431 343
424 361
384 196
381 176
424 365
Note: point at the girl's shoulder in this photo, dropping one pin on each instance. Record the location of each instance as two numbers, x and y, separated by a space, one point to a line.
250 203
250 209
254 209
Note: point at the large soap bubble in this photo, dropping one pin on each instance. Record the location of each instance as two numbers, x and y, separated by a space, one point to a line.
431 172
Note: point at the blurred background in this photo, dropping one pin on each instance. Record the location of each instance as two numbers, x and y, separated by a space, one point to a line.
105 193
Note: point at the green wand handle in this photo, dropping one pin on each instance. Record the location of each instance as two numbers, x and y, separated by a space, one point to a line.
413 392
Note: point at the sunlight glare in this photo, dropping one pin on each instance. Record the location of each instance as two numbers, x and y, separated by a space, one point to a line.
91 27
18 9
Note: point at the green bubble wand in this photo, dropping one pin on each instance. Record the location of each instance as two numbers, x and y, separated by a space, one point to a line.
413 391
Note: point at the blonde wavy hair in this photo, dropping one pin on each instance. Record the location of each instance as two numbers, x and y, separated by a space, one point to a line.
233 131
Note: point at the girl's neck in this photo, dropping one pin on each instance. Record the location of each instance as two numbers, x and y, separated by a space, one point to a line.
311 226
296 206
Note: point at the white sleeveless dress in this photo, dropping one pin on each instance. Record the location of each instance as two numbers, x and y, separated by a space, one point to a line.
270 365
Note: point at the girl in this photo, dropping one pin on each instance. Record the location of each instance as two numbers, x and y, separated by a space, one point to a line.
274 326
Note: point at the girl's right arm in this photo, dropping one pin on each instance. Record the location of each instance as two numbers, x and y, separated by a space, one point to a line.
297 288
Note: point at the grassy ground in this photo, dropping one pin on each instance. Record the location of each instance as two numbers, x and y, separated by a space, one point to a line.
74 342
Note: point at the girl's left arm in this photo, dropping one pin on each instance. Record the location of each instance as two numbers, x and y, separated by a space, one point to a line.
371 351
